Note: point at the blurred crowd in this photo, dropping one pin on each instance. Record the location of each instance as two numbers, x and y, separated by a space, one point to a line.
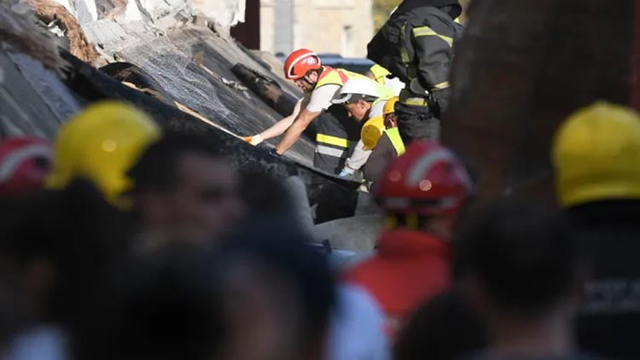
123 241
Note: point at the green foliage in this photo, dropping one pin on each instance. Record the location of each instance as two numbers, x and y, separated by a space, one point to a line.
381 10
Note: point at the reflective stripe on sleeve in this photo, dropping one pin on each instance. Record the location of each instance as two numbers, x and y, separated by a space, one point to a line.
442 85
427 31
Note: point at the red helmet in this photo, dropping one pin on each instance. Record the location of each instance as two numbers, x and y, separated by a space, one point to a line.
24 164
300 62
427 180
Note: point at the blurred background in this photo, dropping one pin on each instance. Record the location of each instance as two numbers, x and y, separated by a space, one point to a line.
335 28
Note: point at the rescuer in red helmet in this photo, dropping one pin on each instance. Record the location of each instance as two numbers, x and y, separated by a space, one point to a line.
337 135
421 193
24 164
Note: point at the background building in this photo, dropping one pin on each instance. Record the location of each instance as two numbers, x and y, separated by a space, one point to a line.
326 26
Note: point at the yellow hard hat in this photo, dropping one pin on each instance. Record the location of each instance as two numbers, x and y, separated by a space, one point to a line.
379 73
390 105
100 145
596 155
371 132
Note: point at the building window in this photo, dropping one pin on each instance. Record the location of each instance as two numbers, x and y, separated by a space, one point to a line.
347 41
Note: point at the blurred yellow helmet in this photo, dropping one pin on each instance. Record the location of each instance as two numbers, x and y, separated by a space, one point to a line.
390 106
100 145
596 155
371 132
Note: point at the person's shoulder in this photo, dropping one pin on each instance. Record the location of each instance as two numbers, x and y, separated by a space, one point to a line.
427 15
384 139
361 271
358 299
377 109
385 145
325 90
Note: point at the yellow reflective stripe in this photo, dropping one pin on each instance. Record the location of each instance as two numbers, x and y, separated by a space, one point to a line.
427 31
379 72
385 92
412 221
390 222
403 49
332 140
334 77
442 85
415 101
330 79
457 20
396 140
409 98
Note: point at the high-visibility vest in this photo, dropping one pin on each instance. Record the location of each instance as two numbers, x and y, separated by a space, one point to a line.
336 134
379 73
385 92
331 76
396 140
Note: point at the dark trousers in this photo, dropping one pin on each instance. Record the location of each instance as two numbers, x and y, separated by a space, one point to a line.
416 123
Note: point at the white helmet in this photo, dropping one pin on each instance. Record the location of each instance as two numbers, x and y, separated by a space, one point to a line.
365 88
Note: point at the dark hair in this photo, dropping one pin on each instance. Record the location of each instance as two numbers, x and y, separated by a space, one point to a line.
524 255
158 167
161 306
80 236
289 254
444 328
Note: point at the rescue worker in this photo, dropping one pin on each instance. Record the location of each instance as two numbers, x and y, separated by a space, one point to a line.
415 45
596 156
382 76
363 99
24 164
387 147
421 194
337 135
100 145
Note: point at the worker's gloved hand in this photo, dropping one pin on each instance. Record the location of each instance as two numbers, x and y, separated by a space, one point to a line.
253 140
352 175
346 172
274 152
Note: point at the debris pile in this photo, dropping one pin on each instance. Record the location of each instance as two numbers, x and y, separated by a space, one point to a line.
161 57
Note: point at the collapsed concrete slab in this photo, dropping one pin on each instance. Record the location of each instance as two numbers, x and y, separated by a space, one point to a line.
183 76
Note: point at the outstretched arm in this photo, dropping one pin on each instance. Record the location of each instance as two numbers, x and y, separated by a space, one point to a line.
281 126
277 129
297 128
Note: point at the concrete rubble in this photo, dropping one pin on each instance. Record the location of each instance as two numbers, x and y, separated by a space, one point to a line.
171 58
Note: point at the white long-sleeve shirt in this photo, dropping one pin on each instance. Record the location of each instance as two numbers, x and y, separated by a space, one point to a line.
360 156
